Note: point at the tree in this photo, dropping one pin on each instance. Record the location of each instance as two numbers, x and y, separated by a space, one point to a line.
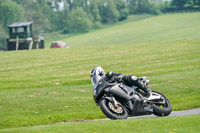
144 6
10 12
108 12
123 10
2 37
132 6
93 9
179 3
196 2
77 21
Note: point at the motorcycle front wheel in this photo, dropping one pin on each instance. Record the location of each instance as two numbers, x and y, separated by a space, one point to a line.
111 111
163 106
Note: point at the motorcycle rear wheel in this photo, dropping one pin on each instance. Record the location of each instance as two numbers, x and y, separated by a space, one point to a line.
162 110
110 113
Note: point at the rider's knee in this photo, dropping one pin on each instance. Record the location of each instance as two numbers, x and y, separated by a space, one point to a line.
134 78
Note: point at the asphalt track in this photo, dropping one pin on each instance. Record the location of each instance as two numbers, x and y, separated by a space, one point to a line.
173 114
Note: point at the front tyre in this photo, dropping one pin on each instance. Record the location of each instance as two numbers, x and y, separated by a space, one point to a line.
162 107
111 111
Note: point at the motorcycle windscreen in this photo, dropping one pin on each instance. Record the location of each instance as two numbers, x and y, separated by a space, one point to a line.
95 80
99 90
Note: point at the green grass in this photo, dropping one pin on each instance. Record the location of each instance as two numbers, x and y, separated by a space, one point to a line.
53 85
56 36
186 124
164 28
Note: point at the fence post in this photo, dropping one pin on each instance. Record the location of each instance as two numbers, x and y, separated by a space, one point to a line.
17 43
39 38
31 45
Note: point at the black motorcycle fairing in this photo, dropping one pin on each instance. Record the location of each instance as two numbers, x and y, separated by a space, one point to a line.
117 89
99 90
140 109
122 91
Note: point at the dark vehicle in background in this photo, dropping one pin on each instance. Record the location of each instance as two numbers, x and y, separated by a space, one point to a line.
59 44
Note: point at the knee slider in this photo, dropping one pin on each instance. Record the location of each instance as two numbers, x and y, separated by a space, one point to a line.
134 78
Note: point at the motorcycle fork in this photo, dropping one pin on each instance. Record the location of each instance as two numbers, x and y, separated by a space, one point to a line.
115 102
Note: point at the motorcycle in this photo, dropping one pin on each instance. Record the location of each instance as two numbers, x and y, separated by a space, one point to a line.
118 101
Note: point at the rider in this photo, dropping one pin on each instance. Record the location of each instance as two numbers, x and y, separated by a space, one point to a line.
129 80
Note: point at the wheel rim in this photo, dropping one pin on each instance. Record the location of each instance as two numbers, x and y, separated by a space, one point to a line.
117 109
122 113
162 106
161 103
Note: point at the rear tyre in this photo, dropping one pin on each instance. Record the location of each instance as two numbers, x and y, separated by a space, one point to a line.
162 109
112 112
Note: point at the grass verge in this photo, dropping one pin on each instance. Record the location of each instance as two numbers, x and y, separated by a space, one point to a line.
185 124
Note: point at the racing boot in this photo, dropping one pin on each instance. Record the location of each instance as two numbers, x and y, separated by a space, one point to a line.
137 82
144 88
148 92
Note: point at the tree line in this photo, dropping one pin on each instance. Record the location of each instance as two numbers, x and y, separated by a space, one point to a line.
71 16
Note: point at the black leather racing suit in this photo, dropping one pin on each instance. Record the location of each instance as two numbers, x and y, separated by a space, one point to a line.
129 80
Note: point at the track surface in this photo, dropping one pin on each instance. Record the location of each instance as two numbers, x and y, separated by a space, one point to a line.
173 114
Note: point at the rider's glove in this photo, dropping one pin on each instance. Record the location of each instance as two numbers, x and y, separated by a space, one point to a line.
109 75
116 78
